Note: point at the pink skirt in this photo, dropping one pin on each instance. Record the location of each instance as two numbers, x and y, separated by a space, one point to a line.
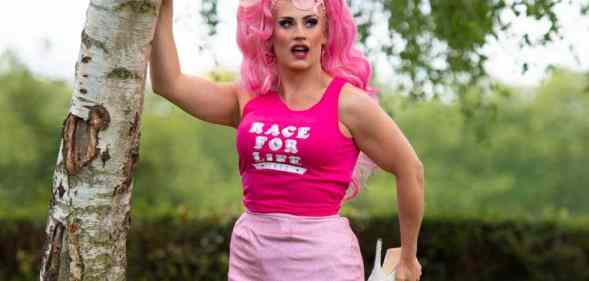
286 247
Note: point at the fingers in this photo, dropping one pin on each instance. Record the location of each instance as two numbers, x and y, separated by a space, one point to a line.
409 271
408 278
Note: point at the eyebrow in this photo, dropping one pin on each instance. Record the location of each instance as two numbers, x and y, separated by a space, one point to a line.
304 18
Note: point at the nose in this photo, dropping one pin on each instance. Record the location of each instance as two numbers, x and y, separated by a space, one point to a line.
299 38
300 32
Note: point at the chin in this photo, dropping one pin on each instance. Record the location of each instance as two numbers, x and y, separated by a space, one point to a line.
299 66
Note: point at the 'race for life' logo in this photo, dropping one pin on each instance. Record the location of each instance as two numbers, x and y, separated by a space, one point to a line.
283 153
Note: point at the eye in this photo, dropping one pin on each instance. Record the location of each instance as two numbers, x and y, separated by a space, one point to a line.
311 22
285 23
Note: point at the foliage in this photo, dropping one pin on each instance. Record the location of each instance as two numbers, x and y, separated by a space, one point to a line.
531 167
171 248
439 43
209 13
29 108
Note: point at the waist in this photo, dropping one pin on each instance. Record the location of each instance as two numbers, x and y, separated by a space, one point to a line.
285 217
280 223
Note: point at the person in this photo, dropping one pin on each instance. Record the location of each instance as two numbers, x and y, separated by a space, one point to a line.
304 115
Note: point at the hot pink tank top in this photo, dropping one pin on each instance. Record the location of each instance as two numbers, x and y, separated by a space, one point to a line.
294 161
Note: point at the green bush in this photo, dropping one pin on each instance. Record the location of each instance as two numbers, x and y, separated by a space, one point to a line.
172 248
532 162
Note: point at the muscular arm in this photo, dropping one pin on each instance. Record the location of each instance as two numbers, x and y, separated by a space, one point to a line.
206 100
377 135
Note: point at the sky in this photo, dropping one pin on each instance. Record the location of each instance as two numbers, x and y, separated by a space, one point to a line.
46 36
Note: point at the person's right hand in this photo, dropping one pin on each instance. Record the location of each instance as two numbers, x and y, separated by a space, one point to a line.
206 100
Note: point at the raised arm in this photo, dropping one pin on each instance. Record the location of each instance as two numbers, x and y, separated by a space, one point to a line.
206 100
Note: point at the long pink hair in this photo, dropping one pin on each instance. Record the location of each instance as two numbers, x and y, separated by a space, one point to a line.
340 59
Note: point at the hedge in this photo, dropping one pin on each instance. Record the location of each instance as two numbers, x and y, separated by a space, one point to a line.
449 249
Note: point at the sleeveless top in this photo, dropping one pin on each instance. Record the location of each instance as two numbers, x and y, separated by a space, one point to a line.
294 161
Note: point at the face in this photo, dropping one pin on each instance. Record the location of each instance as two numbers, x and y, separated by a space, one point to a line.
298 36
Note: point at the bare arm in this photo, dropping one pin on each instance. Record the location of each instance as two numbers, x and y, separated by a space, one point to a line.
206 100
377 135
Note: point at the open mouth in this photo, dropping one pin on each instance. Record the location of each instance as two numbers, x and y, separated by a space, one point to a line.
299 51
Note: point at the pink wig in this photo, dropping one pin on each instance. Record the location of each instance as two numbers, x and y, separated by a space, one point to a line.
340 58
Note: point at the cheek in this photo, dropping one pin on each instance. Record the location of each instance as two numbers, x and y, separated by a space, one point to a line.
279 40
318 38
318 35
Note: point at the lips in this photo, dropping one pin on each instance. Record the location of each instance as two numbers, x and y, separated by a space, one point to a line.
300 50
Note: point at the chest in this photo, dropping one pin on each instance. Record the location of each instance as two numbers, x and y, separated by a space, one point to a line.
292 140
245 98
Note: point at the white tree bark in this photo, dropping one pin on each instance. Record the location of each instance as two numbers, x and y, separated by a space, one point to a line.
89 212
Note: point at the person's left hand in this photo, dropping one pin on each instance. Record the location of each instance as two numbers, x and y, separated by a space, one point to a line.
408 270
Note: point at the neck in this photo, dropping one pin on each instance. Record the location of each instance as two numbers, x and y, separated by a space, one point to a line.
296 84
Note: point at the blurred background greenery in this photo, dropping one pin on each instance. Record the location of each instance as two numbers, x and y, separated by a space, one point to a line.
506 165
520 153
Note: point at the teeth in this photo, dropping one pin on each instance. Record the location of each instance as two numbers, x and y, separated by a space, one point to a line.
300 49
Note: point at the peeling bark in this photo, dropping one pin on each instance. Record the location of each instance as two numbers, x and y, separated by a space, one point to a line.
81 138
68 140
89 210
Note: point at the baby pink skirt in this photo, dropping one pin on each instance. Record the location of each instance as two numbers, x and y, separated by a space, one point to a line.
286 247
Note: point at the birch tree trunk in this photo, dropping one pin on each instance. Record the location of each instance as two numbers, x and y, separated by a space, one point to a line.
89 210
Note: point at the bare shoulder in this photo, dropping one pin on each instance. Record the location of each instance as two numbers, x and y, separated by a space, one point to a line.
353 97
354 103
